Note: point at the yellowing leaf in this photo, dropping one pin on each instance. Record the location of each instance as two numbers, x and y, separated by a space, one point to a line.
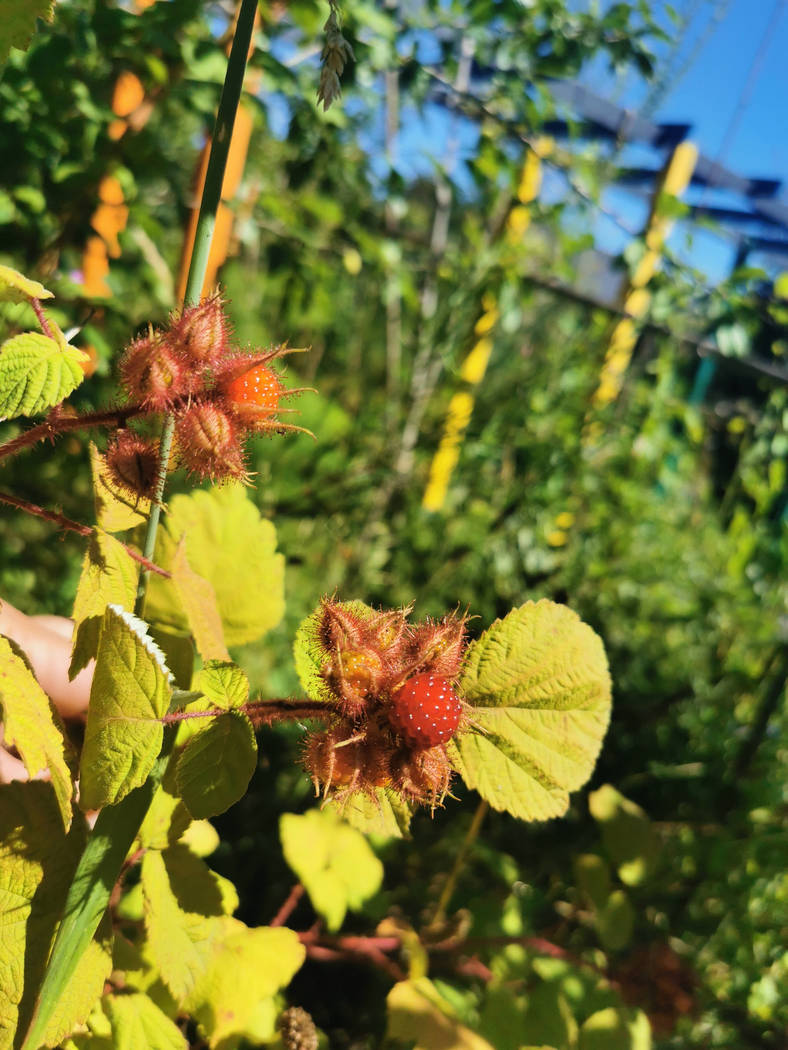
128 699
383 813
37 861
116 509
198 601
137 1022
165 822
224 685
247 968
186 908
616 1029
201 837
109 577
627 834
36 373
539 689
30 727
332 860
216 765
14 286
234 548
416 1011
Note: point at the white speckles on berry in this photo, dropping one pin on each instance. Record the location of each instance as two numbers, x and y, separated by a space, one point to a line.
425 710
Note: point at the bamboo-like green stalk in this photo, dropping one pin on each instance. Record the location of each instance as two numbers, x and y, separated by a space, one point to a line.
206 222
108 845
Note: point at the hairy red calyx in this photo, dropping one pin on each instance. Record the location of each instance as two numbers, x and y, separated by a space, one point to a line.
133 462
217 393
371 660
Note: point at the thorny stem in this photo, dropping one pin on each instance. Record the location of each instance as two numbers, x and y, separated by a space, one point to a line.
261 712
74 526
56 424
211 196
459 861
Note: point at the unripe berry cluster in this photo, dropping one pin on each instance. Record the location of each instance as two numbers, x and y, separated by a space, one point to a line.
394 701
217 393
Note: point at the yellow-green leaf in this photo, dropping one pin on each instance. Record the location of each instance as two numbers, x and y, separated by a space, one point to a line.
616 1029
116 509
128 699
198 601
417 1011
234 548
165 822
29 725
37 861
385 813
137 1022
593 878
201 837
14 286
247 968
36 373
615 921
186 915
539 689
627 834
224 685
333 861
216 765
548 1018
109 577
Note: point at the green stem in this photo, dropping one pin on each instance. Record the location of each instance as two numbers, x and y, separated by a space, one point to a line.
101 862
451 882
206 222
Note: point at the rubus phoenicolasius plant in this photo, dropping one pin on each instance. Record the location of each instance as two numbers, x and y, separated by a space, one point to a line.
119 933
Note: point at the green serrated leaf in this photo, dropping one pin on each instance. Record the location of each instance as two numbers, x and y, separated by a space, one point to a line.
116 509
385 813
215 767
14 286
223 685
37 861
184 923
198 601
627 834
137 1022
109 577
310 654
333 861
539 689
234 548
129 697
417 1011
247 968
30 726
36 373
616 1029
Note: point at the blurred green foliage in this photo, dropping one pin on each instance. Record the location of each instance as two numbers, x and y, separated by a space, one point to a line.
667 535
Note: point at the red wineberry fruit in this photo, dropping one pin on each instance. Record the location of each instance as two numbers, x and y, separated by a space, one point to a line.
256 392
425 710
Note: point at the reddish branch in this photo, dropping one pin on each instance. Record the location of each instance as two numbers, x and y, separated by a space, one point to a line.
261 712
289 905
58 423
74 526
42 318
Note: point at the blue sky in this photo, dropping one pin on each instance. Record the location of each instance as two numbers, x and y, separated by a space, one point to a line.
710 71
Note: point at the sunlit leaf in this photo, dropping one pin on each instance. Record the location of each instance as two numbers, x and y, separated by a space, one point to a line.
14 286
333 861
215 767
29 726
129 697
36 373
416 1011
627 834
539 689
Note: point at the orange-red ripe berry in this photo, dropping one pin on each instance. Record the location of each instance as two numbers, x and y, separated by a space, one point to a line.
425 710
256 393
